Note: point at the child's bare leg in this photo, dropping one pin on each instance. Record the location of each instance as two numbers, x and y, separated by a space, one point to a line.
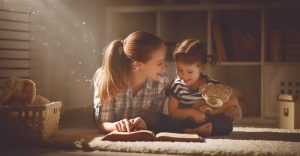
204 130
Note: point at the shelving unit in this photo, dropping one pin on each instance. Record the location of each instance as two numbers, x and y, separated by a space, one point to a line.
282 56
240 35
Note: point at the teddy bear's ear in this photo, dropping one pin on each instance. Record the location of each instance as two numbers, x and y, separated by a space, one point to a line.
10 82
29 91
8 89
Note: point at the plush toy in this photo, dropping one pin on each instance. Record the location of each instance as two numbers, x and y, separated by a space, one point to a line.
18 91
215 96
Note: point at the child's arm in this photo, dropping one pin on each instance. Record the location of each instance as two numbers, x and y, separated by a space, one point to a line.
233 101
175 111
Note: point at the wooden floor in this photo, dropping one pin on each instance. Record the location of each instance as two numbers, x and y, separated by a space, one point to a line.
54 152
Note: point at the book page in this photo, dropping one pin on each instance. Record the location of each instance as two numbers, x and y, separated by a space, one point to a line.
141 135
166 136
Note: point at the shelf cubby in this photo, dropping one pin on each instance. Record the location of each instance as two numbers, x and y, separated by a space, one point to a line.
237 35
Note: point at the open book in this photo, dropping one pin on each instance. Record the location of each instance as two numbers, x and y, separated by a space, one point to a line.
146 135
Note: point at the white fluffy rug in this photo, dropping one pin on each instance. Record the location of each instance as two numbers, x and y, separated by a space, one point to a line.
242 141
215 147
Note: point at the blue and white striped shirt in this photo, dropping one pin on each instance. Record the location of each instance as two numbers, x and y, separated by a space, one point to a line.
185 95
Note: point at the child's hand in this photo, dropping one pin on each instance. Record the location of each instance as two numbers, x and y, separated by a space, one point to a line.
124 125
138 123
210 112
205 109
198 116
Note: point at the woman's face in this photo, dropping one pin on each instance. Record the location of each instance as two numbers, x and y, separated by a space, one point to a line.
154 68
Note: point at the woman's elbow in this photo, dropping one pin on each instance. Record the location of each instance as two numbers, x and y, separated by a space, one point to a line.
171 112
101 128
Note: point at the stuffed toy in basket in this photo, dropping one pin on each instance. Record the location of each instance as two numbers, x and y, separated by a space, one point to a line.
25 116
18 91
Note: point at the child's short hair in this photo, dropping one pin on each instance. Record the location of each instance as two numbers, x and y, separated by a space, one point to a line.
192 51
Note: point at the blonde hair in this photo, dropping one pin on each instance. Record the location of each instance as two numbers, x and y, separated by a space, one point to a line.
117 62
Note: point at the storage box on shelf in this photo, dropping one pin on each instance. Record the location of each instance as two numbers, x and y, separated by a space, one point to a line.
289 111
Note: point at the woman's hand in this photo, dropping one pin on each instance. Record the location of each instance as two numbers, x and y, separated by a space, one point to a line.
138 123
124 125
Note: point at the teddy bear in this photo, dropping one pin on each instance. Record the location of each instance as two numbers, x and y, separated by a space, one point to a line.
215 95
19 91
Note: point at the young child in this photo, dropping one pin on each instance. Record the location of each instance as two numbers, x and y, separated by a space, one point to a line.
191 63
129 87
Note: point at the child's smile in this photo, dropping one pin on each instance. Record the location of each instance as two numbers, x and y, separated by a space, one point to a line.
188 73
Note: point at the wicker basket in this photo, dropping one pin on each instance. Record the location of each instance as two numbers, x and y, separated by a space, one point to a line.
30 122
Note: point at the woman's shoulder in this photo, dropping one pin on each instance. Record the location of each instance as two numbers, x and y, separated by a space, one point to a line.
160 84
164 80
98 76
99 71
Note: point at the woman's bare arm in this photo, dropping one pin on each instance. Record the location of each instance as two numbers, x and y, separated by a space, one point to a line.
123 125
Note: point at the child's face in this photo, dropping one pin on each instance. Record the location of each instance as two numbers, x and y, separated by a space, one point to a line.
188 73
154 68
